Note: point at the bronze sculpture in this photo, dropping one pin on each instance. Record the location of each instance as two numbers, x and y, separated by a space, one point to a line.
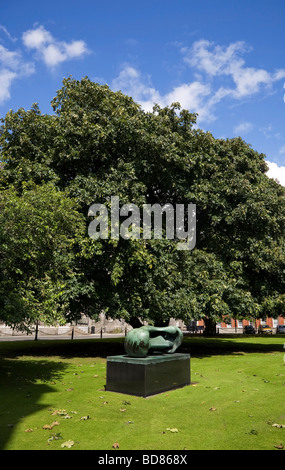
146 340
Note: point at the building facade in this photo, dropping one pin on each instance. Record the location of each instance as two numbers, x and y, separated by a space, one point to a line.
233 325
115 326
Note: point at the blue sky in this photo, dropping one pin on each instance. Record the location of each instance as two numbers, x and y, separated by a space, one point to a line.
220 58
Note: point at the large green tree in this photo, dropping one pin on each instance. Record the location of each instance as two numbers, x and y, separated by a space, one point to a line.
40 233
99 144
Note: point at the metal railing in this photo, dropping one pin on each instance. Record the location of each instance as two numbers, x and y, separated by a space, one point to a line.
71 332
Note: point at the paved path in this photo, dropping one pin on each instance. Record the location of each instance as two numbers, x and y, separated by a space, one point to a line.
59 337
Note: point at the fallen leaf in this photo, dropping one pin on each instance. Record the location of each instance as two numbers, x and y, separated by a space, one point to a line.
172 429
59 412
55 437
280 446
67 444
50 426
47 426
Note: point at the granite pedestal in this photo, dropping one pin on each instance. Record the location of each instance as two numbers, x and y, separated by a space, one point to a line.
147 375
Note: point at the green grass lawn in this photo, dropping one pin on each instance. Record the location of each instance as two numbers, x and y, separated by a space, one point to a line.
53 393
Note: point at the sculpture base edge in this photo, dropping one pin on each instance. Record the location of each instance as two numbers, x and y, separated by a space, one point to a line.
149 375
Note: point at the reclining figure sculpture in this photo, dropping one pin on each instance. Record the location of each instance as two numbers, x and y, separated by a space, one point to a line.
150 339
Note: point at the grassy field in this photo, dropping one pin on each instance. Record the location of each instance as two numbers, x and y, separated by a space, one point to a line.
52 397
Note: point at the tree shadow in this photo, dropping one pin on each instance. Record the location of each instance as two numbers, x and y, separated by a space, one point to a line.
24 381
224 345
65 348
22 384
195 345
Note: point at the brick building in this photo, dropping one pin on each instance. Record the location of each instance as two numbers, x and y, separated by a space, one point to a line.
238 325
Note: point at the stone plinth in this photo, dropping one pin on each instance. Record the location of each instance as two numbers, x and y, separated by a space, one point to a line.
148 375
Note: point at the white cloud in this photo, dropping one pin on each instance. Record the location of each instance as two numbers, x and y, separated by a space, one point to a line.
267 131
50 50
243 128
12 66
276 172
279 74
36 38
10 59
6 79
75 49
190 95
220 72
227 62
249 81
52 55
131 82
213 63
2 28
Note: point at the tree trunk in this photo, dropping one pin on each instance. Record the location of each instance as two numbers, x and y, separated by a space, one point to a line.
210 327
161 323
135 322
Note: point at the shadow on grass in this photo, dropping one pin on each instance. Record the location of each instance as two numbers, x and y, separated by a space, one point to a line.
22 384
221 345
24 381
64 348
193 345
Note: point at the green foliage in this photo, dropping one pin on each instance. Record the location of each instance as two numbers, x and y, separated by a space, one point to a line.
99 144
40 229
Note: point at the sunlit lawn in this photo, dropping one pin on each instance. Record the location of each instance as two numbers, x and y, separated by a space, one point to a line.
52 393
